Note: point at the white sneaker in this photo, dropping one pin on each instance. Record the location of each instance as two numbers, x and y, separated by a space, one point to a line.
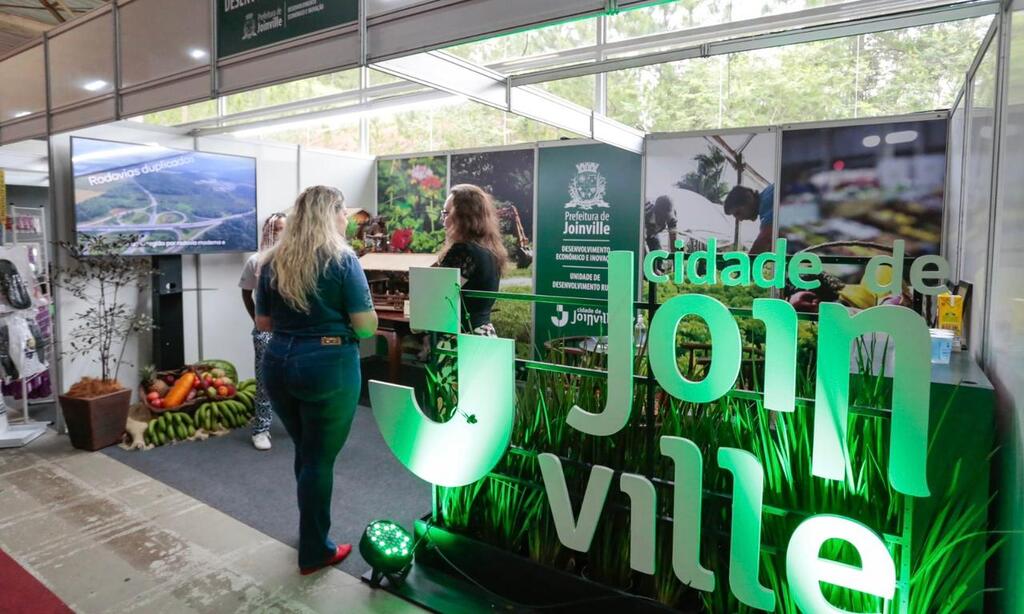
261 441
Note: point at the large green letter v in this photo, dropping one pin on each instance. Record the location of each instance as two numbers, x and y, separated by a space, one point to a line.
465 448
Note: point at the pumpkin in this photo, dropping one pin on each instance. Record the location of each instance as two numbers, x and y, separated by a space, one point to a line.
179 391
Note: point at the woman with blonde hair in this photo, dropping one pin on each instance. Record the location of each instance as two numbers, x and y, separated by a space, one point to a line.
473 245
273 227
314 296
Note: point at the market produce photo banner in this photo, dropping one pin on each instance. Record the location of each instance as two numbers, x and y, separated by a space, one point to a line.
854 190
588 203
244 25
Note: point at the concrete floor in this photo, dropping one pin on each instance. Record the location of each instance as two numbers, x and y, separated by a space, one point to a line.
106 538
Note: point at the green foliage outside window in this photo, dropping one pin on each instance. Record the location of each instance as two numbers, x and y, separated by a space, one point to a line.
879 74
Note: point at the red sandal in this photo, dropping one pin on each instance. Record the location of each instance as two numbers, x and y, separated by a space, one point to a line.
339 555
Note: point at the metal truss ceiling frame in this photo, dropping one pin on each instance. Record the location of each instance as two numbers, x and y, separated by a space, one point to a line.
448 22
445 72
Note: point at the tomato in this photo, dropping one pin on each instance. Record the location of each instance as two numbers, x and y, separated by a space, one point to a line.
159 403
218 382
211 392
231 390
197 383
222 391
153 396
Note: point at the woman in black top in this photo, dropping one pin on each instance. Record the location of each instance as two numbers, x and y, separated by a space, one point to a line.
473 245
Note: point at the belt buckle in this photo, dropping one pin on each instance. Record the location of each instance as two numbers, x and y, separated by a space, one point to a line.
330 340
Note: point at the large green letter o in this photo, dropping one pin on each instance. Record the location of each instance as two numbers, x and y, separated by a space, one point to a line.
727 348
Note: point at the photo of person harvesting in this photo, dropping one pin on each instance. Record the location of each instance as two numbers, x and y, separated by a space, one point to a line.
272 229
747 204
473 245
660 216
313 295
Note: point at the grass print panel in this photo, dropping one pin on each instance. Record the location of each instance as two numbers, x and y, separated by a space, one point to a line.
509 509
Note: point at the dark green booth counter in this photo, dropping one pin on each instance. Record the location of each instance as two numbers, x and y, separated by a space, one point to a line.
962 426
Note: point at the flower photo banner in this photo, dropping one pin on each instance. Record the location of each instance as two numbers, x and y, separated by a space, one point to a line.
410 197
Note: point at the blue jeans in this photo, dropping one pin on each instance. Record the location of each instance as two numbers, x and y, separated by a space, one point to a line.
314 385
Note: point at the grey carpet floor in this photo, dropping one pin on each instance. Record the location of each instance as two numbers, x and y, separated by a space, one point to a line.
258 488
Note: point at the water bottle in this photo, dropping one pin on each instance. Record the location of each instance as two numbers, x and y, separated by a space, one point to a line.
640 331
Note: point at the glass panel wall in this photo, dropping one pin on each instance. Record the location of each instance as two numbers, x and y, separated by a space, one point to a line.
888 73
314 87
977 194
458 126
685 14
531 43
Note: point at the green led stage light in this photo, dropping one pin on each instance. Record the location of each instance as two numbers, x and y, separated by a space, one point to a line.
388 548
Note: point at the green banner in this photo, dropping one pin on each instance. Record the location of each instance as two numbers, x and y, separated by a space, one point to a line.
588 203
244 25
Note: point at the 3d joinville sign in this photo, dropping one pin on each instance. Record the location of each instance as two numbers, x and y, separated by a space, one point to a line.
459 452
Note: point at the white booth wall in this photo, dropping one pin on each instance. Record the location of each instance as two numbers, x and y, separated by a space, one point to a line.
215 322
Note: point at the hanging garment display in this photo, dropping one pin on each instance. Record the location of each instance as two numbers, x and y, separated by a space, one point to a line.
13 287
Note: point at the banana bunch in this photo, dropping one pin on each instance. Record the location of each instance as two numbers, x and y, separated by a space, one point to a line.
230 413
171 426
211 416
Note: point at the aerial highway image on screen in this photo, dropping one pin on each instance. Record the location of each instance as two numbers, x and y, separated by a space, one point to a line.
174 201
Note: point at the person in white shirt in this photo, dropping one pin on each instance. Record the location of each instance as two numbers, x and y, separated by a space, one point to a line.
272 229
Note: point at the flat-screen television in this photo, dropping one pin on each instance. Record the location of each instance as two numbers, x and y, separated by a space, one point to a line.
173 201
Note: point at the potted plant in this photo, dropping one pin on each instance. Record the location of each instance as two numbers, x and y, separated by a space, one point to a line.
103 279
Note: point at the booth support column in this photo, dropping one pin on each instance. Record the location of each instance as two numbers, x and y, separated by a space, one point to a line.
168 313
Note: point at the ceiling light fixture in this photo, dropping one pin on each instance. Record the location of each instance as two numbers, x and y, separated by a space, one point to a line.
95 86
902 136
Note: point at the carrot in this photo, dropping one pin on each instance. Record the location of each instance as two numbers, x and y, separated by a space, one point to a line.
180 390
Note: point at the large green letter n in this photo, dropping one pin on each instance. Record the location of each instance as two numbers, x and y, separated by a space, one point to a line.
908 441
465 448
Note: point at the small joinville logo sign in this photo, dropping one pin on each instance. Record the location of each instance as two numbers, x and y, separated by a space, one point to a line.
459 452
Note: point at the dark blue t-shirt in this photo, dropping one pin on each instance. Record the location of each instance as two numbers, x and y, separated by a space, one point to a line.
341 290
766 206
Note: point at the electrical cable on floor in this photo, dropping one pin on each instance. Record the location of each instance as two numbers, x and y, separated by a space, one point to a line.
507 601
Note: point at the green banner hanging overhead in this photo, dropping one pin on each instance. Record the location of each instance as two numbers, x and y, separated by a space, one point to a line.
588 203
244 25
